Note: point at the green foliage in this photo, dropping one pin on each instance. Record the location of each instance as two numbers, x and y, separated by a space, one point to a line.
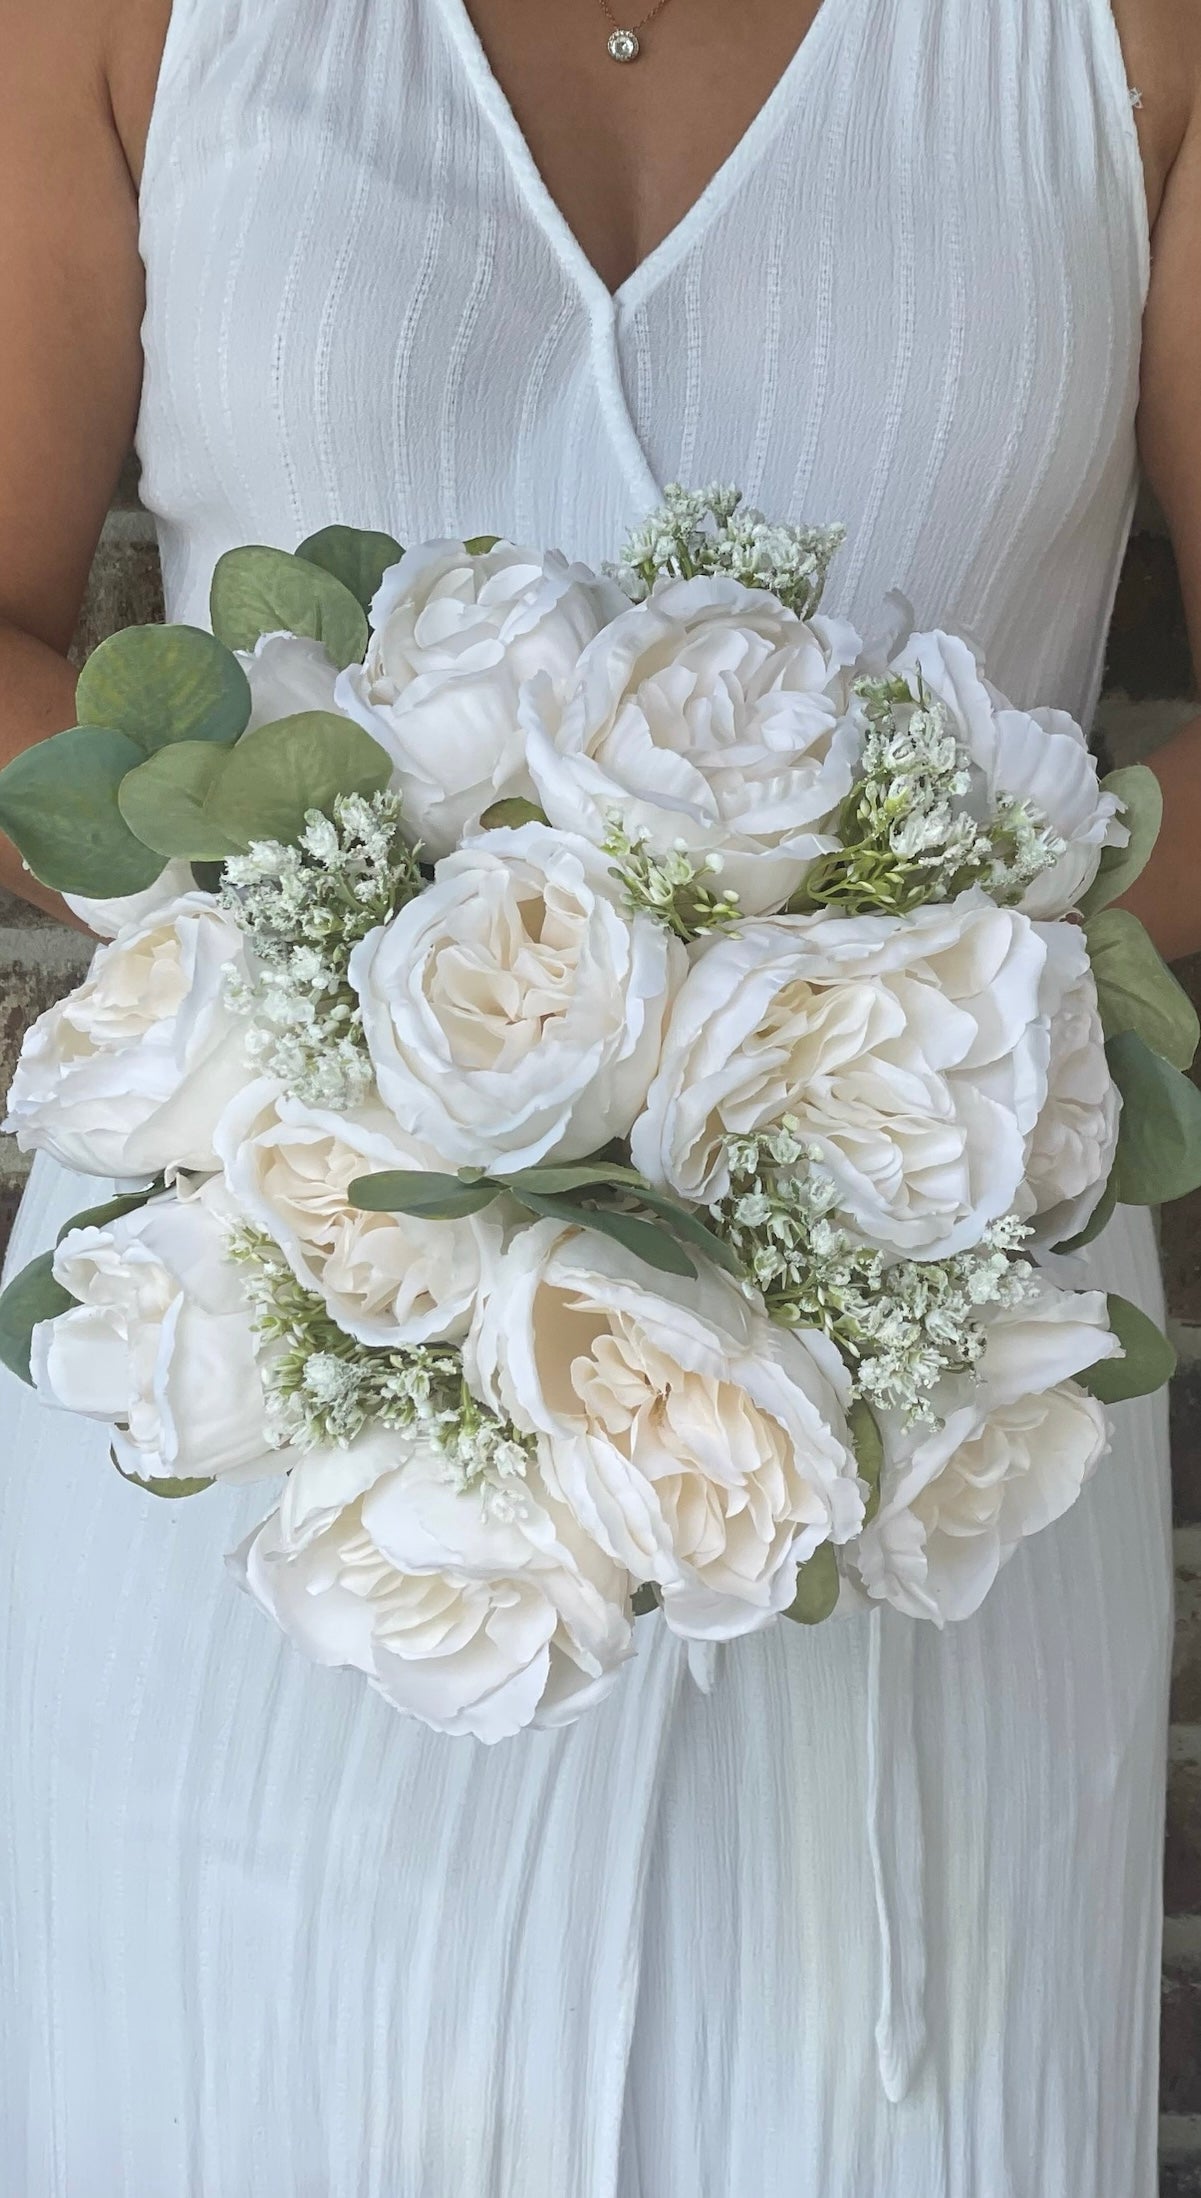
280 771
513 810
1159 1139
478 545
170 1489
1148 1363
1141 797
99 1217
356 556
257 591
816 1588
557 1193
1102 1214
868 1445
1136 990
164 683
58 804
33 1295
165 801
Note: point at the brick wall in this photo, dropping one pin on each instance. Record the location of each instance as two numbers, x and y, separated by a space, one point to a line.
1148 694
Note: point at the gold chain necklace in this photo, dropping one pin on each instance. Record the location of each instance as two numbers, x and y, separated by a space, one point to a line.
623 41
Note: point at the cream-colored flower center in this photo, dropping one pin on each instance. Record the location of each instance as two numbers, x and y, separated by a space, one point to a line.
370 1259
141 985
507 973
967 1497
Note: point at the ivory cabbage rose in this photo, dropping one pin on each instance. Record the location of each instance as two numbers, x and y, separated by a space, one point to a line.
710 717
1010 1457
288 673
1072 1145
1040 756
453 637
128 1074
385 1278
514 1009
702 1447
106 918
473 1622
911 1050
160 1346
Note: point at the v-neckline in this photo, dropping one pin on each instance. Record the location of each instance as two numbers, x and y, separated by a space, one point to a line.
691 225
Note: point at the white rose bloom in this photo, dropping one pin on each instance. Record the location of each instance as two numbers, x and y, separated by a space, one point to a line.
472 1622
106 918
453 637
288 674
1074 1140
385 1278
912 1050
1010 1457
1040 756
701 1446
514 1009
160 1345
128 1074
707 716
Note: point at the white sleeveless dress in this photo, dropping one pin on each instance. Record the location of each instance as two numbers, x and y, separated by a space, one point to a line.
877 1916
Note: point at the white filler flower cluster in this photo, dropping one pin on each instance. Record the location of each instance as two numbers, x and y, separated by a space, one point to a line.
604 1166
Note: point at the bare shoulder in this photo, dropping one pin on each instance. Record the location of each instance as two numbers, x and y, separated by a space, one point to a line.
1161 41
91 61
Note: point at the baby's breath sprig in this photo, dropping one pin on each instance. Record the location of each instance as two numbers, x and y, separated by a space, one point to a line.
700 531
671 887
900 1324
323 1386
907 829
303 909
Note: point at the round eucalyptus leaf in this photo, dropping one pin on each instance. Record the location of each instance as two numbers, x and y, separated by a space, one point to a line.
1159 1136
170 1489
1136 990
514 810
868 1445
33 1295
356 556
1141 796
277 773
1148 1361
165 801
164 683
58 804
99 1217
257 591
478 545
816 1588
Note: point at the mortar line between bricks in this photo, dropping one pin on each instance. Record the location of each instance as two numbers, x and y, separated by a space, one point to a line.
1180 2136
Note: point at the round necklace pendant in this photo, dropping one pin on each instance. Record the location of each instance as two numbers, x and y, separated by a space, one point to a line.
623 46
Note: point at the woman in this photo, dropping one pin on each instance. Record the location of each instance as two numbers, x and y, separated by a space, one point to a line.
878 1912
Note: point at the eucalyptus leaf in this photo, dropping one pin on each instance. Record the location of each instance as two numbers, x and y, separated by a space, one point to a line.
257 591
164 683
816 1588
1159 1136
1136 990
1148 1363
645 1239
33 1295
1102 1214
165 802
1139 791
278 772
478 545
172 1490
357 556
513 811
868 1445
690 1225
553 1180
58 804
430 1196
99 1217
208 876
644 1599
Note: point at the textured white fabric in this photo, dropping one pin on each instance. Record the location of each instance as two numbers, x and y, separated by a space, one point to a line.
258 1935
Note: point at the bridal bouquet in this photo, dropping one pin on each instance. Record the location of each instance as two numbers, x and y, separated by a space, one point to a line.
591 1065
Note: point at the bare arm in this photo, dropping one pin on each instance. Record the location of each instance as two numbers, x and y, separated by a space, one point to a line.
70 310
1168 895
